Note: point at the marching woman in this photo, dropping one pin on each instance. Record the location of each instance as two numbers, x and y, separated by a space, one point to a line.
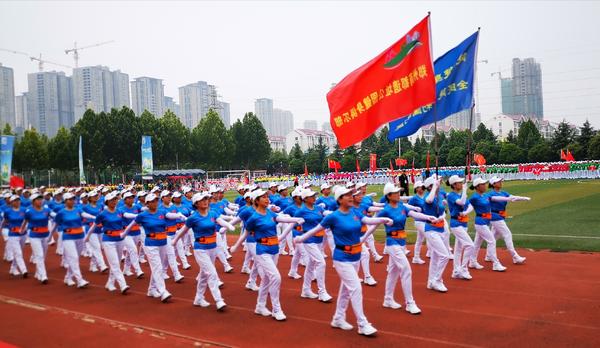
346 224
434 230
69 222
399 267
36 221
204 222
299 252
14 215
264 225
481 202
364 209
113 224
133 238
459 219
219 208
312 247
499 227
327 202
185 211
171 228
244 214
95 236
418 200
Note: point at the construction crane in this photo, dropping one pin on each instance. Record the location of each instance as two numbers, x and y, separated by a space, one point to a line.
75 50
37 59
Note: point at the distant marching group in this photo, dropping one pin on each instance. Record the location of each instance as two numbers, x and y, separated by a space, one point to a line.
162 228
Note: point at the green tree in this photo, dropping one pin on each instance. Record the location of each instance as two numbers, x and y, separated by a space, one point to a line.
211 143
511 153
457 156
349 159
296 160
585 136
92 128
277 163
541 152
594 147
510 138
31 152
316 157
175 138
256 144
237 134
62 154
528 136
123 139
483 134
7 130
489 150
563 136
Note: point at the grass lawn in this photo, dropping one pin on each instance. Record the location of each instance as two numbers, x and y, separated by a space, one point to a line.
562 215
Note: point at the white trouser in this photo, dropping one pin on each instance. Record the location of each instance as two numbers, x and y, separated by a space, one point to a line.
130 244
59 243
447 235
170 259
208 274
113 252
180 251
350 291
7 254
420 227
500 229
287 240
463 248
270 281
15 251
483 233
5 234
39 248
315 267
251 249
370 243
329 240
398 268
97 261
220 252
439 255
299 254
154 256
72 249
364 260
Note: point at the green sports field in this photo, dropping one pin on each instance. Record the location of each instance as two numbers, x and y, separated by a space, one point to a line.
562 215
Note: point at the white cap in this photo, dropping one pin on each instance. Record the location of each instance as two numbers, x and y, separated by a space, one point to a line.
390 188
59 191
42 187
479 181
142 193
297 192
282 187
241 187
93 193
127 195
84 195
111 196
258 193
186 189
252 187
419 183
177 194
341 191
306 185
155 188
360 185
272 184
68 195
165 193
105 189
14 198
350 184
325 186
7 195
454 179
213 189
248 194
200 196
495 179
429 181
308 193
35 196
150 198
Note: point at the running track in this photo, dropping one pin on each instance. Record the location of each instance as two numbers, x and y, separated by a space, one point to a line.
553 300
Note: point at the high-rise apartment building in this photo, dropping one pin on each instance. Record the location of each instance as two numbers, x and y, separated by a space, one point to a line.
310 124
522 94
7 96
147 93
49 102
99 89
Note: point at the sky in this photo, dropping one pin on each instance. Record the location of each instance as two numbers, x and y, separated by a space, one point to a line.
292 51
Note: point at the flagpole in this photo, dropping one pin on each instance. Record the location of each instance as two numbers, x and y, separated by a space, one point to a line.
470 135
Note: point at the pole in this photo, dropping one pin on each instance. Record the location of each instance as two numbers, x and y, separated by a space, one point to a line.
399 148
469 140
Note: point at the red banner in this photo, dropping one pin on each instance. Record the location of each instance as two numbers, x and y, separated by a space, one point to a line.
16 181
390 86
401 162
373 162
357 165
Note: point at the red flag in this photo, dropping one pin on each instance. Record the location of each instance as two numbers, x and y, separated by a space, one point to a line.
569 156
412 171
373 162
479 159
357 165
16 181
427 160
400 162
395 83
563 156
305 169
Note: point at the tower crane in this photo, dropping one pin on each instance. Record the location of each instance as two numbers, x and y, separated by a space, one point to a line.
75 50
37 59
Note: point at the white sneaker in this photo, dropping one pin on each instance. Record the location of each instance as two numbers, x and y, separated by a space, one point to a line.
498 267
83 284
466 275
153 293
164 298
228 269
341 324
418 261
200 302
451 257
179 279
125 289
437 286
309 294
294 275
367 330
378 258
166 276
325 297
456 275
128 273
251 286
262 311
279 316
412 308
186 267
221 305
391 304
284 253
475 265
139 275
245 270
519 260
406 251
220 284
109 288
487 259
370 281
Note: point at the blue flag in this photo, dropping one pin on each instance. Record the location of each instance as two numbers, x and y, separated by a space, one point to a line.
147 164
7 144
454 73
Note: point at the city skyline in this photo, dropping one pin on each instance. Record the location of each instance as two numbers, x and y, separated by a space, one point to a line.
299 82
